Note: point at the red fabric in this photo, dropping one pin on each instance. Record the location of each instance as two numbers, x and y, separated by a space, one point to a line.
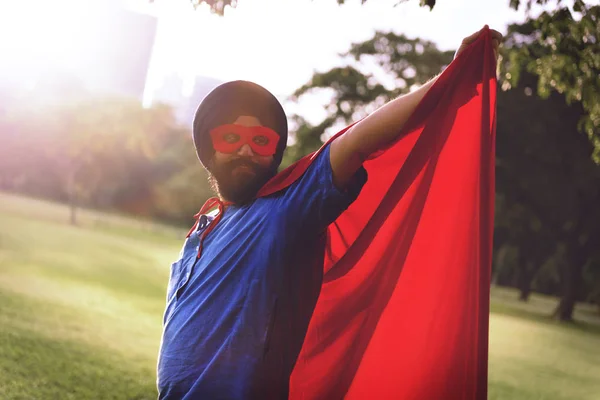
404 307
210 204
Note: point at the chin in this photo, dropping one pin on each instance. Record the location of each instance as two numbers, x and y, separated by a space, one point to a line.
240 188
238 191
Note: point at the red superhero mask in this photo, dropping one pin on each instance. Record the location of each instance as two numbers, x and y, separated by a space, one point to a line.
230 138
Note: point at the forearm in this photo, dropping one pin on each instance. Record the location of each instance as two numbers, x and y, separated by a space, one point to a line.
351 149
384 125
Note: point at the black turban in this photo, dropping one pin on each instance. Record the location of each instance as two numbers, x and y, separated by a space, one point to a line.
225 103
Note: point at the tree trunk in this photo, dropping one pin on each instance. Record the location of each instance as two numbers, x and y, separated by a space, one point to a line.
524 277
73 207
524 283
564 310
524 293
572 277
71 190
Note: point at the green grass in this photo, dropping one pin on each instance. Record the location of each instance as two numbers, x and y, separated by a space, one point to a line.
81 311
80 306
534 357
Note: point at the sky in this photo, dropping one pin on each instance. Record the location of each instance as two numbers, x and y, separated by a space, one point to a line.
280 43
275 43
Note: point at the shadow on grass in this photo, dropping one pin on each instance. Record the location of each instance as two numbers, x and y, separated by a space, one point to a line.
594 313
37 362
505 309
505 391
34 366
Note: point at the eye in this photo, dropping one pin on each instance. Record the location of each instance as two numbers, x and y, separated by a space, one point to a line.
231 137
260 140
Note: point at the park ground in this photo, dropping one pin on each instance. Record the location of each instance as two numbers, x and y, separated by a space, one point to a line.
81 311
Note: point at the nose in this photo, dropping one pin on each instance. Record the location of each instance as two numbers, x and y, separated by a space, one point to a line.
246 151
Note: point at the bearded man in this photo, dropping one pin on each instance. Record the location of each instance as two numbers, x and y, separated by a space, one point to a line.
241 295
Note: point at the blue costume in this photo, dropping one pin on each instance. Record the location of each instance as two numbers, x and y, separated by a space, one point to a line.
236 317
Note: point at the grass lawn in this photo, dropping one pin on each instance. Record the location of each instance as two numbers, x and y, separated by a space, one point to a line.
81 311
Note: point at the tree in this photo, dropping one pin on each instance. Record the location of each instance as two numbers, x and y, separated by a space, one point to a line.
520 231
181 186
557 54
29 161
404 61
544 168
101 152
120 155
591 277
88 136
562 49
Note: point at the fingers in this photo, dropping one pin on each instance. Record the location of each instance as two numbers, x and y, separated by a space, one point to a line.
497 38
471 38
495 35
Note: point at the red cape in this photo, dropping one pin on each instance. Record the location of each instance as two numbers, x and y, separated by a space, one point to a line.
404 306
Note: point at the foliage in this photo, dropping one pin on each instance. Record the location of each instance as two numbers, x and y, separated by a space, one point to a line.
562 49
556 57
106 153
403 61
549 189
218 6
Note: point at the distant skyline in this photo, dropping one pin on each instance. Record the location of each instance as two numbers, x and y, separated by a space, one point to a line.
275 43
98 43
280 43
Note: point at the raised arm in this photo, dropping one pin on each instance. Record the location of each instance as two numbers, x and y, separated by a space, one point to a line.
350 150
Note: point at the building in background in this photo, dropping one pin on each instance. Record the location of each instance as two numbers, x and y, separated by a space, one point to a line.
202 86
114 56
103 44
171 91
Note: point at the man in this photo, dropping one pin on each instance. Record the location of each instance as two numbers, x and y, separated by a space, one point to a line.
242 293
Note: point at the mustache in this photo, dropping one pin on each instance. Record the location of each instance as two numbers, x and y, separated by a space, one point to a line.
241 162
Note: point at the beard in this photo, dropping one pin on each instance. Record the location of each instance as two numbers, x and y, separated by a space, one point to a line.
239 180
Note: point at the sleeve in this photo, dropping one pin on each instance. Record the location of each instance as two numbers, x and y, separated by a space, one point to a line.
315 199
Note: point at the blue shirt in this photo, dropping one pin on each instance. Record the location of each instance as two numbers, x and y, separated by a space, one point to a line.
236 317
